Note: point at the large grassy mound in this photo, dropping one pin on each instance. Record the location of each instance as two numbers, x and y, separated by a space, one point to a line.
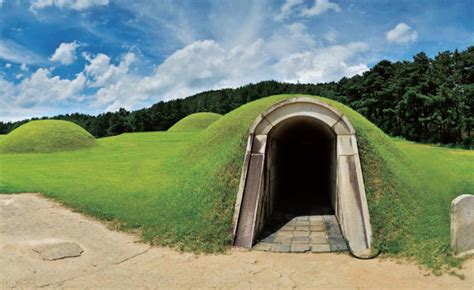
46 136
179 188
196 121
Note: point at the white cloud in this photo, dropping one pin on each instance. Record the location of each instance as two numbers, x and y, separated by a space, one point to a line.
38 95
13 52
330 36
287 8
24 67
321 65
289 39
199 66
402 34
8 65
102 73
41 88
69 4
296 7
204 65
319 7
65 53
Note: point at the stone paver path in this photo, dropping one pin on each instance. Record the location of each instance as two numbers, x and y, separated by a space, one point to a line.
299 234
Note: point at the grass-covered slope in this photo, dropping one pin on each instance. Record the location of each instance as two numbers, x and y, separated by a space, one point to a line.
179 188
46 136
196 121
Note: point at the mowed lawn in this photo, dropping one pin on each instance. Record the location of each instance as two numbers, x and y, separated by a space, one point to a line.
445 173
121 178
178 188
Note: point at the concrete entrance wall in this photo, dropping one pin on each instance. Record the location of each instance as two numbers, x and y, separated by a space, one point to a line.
254 202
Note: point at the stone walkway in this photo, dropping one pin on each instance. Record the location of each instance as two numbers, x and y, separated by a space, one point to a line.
299 234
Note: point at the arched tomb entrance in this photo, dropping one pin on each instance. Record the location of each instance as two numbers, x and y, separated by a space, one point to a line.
302 159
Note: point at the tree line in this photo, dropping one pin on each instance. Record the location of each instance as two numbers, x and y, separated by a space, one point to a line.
428 100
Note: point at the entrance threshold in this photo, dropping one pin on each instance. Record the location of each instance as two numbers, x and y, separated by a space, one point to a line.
298 234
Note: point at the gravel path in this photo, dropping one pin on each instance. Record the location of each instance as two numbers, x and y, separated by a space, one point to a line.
43 244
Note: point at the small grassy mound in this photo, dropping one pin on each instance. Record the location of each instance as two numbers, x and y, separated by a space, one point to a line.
196 121
179 188
46 136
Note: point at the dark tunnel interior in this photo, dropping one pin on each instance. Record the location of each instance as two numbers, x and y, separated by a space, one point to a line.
305 158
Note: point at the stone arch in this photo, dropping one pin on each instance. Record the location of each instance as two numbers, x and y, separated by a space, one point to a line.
348 198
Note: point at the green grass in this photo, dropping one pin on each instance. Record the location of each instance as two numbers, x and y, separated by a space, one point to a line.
46 136
196 121
179 188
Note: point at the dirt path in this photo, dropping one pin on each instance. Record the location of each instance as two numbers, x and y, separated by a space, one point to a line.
29 222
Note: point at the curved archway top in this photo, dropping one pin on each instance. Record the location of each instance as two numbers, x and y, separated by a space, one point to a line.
302 107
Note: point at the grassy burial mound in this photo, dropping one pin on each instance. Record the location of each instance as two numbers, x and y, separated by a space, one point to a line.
179 188
196 121
46 136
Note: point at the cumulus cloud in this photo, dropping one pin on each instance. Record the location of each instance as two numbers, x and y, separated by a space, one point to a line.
39 94
69 4
101 72
41 88
321 65
204 65
402 34
65 53
8 65
199 66
290 53
320 7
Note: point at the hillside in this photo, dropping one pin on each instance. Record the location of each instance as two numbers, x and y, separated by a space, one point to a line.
46 136
178 188
196 121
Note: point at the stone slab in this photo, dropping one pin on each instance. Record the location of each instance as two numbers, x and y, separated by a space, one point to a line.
300 248
263 246
320 248
281 248
462 224
58 250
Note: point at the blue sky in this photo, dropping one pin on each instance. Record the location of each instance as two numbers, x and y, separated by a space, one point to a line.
91 56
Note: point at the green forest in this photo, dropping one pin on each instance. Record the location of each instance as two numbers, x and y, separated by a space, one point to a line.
429 100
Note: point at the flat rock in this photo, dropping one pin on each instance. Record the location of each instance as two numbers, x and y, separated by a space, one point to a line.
58 250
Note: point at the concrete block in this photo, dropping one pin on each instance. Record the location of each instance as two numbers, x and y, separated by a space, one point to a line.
300 240
302 228
303 109
345 145
353 211
318 240
281 248
300 248
321 234
263 127
263 247
282 240
462 224
320 248
317 228
316 218
301 233
341 128
259 144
